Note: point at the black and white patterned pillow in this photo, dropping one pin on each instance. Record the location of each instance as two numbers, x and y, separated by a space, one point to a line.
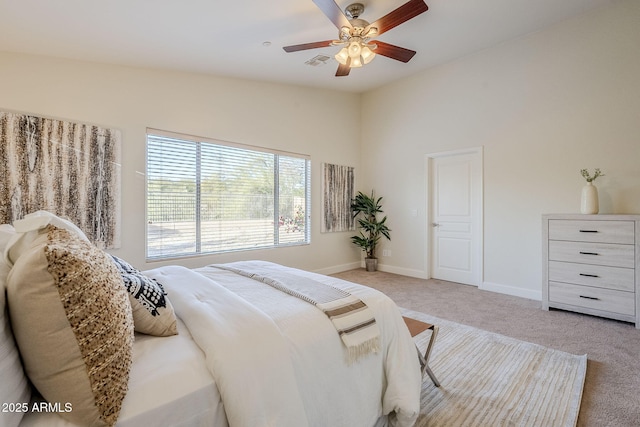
152 311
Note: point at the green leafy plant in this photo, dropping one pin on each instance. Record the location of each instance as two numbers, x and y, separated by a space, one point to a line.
367 208
589 178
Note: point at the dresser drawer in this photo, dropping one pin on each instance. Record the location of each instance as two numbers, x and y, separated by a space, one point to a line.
592 231
608 300
618 278
592 253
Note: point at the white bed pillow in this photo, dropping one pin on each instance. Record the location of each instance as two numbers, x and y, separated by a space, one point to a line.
72 322
152 311
14 387
28 228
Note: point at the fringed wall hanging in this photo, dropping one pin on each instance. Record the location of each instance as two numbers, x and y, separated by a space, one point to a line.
337 193
70 169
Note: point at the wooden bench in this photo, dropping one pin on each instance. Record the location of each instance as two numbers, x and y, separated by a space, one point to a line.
416 327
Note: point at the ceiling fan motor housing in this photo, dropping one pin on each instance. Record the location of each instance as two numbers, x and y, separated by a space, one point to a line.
358 23
353 11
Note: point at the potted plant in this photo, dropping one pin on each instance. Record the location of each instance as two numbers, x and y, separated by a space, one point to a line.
371 229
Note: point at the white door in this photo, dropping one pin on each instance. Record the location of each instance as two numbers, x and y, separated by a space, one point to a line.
456 216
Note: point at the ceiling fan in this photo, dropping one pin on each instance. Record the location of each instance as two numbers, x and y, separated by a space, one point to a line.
355 34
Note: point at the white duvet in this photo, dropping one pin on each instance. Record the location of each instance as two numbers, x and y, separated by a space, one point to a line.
277 361
250 355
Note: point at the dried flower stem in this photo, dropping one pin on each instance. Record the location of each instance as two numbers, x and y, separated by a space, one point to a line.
590 178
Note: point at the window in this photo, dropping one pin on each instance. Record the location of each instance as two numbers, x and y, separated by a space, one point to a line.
206 196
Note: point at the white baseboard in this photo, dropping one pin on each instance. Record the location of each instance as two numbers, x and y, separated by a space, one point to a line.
512 290
339 268
381 267
401 271
419 274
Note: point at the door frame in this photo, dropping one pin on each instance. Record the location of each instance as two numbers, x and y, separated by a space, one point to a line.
428 160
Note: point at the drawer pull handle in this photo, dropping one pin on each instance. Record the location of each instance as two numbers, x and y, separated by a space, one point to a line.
592 298
589 253
588 231
589 275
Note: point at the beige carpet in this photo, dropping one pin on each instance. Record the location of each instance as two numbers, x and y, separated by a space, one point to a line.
610 397
489 379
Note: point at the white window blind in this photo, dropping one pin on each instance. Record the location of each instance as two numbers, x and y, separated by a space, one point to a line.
206 196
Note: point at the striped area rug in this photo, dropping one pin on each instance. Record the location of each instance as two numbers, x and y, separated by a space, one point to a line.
491 380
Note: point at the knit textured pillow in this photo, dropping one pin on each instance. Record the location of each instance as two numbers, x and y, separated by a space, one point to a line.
72 321
152 312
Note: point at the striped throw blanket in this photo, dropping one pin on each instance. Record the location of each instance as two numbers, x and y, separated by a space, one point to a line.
353 320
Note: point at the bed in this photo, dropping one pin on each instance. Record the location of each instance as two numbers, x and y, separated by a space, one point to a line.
242 351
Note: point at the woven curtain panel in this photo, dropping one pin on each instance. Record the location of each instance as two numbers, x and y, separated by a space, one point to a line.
337 193
69 169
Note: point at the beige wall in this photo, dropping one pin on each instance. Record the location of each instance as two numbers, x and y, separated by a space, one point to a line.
278 116
543 107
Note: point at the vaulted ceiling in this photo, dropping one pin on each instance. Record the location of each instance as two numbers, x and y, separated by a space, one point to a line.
245 38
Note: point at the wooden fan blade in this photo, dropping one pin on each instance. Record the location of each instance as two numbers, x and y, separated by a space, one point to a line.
409 10
305 46
333 12
394 52
343 70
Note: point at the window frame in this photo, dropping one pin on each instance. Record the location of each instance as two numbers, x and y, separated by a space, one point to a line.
198 141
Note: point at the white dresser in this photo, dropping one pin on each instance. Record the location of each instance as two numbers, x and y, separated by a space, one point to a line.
590 265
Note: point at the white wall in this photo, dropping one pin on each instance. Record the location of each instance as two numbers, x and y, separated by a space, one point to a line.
543 107
278 116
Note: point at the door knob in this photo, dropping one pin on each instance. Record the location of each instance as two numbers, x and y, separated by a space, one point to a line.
435 224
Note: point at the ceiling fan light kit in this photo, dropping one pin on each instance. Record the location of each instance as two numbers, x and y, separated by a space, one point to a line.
355 34
356 54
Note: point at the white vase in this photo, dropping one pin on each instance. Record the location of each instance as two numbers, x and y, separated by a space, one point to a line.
589 201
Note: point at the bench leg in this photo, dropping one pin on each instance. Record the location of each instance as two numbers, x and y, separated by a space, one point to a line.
427 354
432 376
